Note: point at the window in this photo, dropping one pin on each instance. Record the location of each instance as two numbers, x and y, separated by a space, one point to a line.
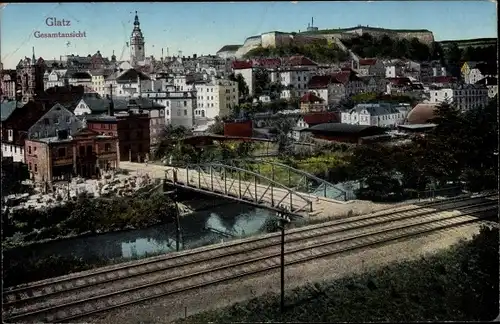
185 103
10 134
15 149
56 121
36 168
107 147
29 166
46 121
29 149
185 112
178 112
168 112
89 149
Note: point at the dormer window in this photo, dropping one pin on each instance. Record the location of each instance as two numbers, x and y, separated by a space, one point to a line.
10 134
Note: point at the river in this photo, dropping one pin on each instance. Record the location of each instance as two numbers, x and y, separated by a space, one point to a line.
201 228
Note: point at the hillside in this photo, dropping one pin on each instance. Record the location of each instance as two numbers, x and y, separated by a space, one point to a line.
475 42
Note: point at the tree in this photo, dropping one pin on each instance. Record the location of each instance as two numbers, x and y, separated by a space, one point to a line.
262 82
217 127
169 138
283 127
242 85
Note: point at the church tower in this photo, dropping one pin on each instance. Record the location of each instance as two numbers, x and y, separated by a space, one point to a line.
137 51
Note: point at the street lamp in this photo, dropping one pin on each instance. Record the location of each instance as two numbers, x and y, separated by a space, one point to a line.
283 219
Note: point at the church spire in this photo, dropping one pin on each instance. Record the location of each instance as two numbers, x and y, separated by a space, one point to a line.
136 20
33 57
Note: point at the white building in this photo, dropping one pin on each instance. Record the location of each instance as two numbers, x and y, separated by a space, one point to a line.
179 106
55 78
382 115
294 80
215 97
125 84
464 97
472 72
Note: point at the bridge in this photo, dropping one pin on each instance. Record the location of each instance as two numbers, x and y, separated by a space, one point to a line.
247 181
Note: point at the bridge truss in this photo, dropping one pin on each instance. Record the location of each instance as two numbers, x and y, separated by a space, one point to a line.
239 184
292 178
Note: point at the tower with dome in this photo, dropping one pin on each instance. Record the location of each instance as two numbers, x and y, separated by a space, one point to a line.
137 50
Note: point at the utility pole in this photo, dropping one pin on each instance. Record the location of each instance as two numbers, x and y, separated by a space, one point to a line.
174 197
283 219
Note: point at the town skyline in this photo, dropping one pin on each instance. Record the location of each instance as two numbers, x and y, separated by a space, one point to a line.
191 30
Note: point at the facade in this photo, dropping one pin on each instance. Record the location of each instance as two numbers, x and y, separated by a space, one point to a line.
312 103
79 78
179 107
98 81
137 49
294 80
131 129
464 97
86 154
371 67
472 72
124 84
215 98
381 115
8 79
56 78
30 77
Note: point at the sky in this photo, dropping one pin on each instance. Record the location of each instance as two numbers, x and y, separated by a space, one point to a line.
204 27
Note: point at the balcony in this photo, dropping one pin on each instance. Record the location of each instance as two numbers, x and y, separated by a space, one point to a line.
107 156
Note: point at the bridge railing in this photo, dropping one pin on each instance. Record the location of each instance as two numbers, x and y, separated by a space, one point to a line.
240 184
293 178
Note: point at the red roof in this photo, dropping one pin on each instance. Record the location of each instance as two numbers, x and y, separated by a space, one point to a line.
399 81
367 61
320 118
239 65
298 61
267 62
320 81
310 97
345 76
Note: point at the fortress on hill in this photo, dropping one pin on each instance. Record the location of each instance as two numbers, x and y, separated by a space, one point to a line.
276 38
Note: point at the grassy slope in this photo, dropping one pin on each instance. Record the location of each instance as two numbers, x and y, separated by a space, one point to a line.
452 285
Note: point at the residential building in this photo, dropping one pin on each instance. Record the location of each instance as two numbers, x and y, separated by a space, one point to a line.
215 98
8 86
371 67
55 78
373 84
464 97
179 106
98 81
394 69
308 120
79 78
15 128
124 83
472 72
398 85
312 103
54 120
294 80
131 129
156 114
85 153
381 115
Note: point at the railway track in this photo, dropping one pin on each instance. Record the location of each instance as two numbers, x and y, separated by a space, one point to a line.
54 300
